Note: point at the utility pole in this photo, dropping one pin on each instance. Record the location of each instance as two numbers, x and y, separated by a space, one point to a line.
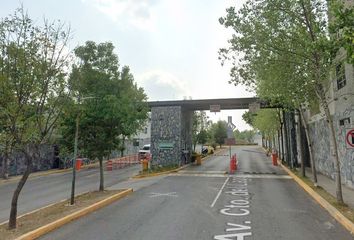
72 198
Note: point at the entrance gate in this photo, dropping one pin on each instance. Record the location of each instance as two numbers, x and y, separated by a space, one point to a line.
171 126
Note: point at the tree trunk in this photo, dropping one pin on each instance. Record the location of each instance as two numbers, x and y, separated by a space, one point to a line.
279 144
299 143
101 188
282 142
329 119
312 160
5 164
122 148
287 144
14 201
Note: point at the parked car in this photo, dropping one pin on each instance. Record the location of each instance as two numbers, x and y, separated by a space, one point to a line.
145 151
207 150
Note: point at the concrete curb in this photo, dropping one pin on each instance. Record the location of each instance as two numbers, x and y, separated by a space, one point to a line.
60 222
349 225
173 170
160 173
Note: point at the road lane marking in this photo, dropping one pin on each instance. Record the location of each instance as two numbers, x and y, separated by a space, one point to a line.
237 210
202 172
196 175
219 193
236 175
170 194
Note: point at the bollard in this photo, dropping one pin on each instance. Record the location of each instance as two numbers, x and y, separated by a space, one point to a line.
145 164
232 165
275 158
78 164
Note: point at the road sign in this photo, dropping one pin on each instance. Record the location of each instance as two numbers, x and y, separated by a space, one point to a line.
350 138
230 141
230 124
214 108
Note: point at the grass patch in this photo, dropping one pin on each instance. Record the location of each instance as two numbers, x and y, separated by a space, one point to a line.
158 169
347 211
51 213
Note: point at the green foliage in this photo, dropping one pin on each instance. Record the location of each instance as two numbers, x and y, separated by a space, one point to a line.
246 135
33 87
342 27
203 136
267 122
218 132
110 104
199 128
248 117
287 52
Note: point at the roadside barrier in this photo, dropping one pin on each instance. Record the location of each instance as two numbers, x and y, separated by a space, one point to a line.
122 162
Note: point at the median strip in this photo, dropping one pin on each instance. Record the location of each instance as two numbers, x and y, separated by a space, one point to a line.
36 224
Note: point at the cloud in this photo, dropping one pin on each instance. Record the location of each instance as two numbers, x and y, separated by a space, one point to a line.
127 13
161 85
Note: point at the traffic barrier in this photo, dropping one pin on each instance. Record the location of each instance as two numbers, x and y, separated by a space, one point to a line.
118 163
109 165
233 164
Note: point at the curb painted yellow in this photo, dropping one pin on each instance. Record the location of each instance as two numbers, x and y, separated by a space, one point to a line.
60 222
349 225
173 170
159 173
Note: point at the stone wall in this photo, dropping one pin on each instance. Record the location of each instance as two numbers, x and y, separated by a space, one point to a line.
45 161
166 130
323 150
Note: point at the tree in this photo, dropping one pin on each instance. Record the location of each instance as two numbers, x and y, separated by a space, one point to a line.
267 122
115 106
342 26
219 132
248 117
33 60
199 126
246 135
287 41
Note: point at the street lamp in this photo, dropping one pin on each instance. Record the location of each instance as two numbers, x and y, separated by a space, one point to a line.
72 198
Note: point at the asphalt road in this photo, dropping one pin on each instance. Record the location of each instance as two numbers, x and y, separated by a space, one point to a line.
259 202
44 190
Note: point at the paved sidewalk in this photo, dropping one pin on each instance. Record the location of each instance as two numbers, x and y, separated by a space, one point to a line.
328 184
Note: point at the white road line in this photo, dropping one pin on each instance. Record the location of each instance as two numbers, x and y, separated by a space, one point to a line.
196 175
219 193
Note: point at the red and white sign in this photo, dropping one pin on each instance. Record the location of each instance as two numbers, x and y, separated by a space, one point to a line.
214 108
350 138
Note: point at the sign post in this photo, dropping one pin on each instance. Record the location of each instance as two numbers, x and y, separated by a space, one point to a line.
230 133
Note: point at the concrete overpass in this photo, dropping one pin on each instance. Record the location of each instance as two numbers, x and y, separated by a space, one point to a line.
204 104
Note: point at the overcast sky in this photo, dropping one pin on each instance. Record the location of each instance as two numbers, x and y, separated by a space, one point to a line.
171 46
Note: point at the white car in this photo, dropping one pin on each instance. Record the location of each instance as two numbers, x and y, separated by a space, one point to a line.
145 151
